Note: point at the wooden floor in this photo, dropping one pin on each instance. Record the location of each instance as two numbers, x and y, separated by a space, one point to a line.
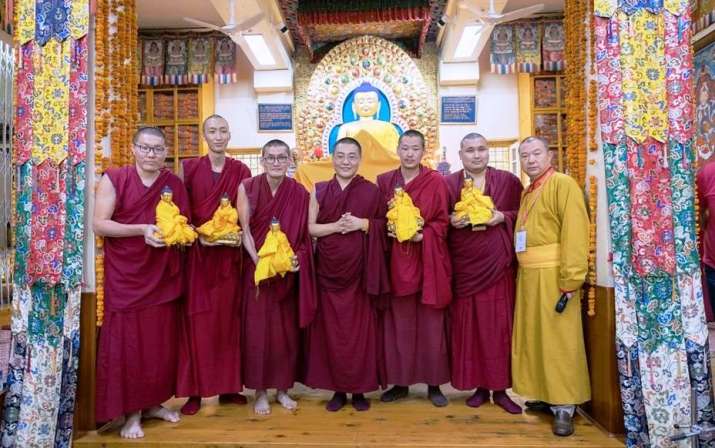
409 423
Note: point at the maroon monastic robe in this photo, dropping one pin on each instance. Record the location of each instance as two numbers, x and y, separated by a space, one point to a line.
414 325
273 311
483 266
351 273
136 359
209 350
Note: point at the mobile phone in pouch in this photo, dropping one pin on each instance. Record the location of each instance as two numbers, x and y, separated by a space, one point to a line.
561 304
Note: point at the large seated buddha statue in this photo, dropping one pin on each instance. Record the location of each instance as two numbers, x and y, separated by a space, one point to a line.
366 119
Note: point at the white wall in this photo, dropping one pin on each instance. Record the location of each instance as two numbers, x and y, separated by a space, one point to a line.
238 103
497 110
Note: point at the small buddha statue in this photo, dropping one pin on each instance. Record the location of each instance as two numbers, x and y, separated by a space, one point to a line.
223 227
403 219
173 226
474 204
275 257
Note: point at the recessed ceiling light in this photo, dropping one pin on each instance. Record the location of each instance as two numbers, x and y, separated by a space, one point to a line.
259 48
468 41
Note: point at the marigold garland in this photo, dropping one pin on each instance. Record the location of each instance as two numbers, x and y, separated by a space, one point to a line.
575 14
116 99
593 209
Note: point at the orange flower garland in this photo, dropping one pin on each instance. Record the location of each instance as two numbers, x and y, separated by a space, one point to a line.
593 209
116 103
575 12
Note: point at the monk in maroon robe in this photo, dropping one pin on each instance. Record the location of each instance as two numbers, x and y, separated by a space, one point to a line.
483 266
414 325
347 216
210 347
274 310
136 359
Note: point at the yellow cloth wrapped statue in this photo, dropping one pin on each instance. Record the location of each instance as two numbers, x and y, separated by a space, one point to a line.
173 226
474 204
223 226
275 257
403 218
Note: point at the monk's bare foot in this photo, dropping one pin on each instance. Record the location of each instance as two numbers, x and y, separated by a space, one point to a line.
262 407
232 399
337 402
132 428
502 400
161 413
480 397
192 406
286 401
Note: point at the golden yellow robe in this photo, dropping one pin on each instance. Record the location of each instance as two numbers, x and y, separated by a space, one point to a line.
548 353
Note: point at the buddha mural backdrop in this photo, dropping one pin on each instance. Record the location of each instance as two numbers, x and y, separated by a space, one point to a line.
369 89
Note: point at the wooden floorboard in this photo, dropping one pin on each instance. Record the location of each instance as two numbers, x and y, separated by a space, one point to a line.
409 423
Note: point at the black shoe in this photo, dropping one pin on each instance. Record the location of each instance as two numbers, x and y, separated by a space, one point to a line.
436 396
538 406
394 394
563 424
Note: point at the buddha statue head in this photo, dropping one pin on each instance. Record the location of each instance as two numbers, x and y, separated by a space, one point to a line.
275 224
166 194
468 182
366 101
225 201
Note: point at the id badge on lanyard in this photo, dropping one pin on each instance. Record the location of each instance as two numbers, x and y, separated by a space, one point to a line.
520 241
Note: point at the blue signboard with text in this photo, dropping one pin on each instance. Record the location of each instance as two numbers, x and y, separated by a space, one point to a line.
275 117
459 109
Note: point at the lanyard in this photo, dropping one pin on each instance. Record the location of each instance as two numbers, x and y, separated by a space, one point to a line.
524 211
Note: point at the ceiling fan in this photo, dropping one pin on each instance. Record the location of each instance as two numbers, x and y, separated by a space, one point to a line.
492 17
231 28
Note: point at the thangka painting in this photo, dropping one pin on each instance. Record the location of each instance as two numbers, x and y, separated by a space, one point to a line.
370 89
705 104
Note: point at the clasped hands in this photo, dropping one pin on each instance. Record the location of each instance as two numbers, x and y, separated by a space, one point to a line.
349 223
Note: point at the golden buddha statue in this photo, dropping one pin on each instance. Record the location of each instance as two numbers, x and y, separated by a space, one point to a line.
475 205
403 218
366 105
275 257
173 226
223 227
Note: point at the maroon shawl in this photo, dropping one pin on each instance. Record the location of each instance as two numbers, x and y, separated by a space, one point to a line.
212 269
136 274
479 258
343 260
425 265
290 206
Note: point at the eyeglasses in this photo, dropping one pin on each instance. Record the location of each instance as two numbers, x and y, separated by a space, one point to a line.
145 150
272 159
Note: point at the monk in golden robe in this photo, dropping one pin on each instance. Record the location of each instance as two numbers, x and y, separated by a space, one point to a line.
551 242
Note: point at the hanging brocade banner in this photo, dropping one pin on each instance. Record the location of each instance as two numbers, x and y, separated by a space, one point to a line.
24 20
24 101
177 61
503 54
153 62
200 54
679 76
553 45
528 47
79 19
225 65
51 20
77 145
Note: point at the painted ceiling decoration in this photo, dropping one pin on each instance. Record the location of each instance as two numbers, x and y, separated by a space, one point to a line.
319 25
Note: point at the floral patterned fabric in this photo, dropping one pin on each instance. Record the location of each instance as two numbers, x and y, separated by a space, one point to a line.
50 115
610 92
78 102
634 418
73 254
679 78
51 20
608 8
642 47
24 101
651 208
25 19
79 19
23 213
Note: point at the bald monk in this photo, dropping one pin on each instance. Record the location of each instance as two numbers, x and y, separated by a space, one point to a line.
210 348
484 268
548 354
347 216
414 331
274 310
136 359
